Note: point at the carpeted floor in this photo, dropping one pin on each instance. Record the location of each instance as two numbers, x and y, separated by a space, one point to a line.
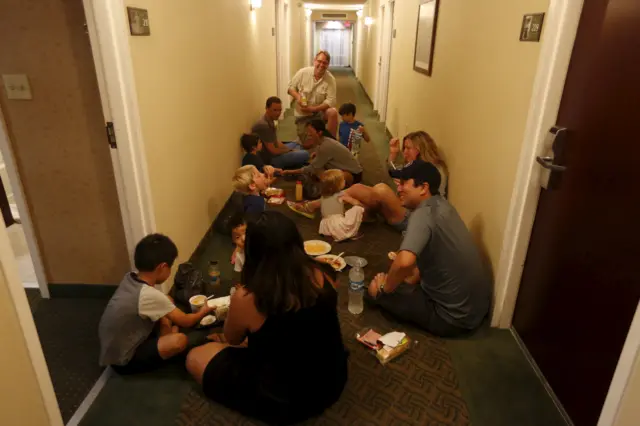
482 379
67 329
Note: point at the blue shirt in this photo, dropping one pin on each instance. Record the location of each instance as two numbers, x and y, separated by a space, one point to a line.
254 204
345 130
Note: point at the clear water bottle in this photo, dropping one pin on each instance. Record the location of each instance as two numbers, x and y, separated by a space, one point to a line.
356 288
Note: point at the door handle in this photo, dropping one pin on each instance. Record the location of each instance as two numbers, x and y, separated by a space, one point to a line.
547 163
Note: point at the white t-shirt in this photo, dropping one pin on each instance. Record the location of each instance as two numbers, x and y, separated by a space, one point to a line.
153 303
239 263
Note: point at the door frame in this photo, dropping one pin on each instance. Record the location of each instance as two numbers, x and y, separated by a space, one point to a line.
387 11
23 208
561 26
109 34
9 270
283 48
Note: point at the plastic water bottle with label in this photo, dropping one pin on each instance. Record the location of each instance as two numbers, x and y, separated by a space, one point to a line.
356 288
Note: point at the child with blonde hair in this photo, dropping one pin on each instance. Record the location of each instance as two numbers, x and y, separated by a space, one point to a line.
335 221
249 181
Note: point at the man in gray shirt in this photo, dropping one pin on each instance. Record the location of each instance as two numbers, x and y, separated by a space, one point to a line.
438 253
281 155
328 154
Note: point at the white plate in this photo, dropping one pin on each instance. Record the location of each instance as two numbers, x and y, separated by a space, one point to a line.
321 247
220 301
351 261
340 264
208 320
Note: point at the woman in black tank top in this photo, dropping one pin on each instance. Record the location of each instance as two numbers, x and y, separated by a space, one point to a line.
294 365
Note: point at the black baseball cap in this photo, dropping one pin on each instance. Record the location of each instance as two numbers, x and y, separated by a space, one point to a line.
421 172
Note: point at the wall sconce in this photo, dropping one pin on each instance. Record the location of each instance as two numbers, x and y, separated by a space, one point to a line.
308 12
368 21
255 4
359 13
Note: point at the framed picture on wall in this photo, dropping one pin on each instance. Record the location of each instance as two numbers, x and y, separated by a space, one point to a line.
426 36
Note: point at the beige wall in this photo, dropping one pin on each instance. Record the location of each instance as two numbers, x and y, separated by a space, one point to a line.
474 105
629 414
59 142
21 403
202 78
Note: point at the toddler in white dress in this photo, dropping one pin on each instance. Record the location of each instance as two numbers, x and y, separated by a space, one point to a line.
336 222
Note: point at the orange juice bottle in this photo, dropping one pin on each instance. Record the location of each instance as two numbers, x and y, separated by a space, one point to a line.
298 191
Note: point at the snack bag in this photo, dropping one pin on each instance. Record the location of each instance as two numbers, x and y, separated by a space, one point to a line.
386 347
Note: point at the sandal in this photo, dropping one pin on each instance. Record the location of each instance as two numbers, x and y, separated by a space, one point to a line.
301 208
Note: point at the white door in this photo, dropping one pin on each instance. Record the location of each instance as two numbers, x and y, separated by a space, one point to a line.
338 43
384 64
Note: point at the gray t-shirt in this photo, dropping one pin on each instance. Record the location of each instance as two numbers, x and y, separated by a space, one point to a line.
331 154
266 130
332 205
451 270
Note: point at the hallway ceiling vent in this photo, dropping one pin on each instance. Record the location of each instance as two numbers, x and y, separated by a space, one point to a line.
334 15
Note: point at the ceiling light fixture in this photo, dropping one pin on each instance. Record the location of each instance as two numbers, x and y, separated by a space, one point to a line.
255 4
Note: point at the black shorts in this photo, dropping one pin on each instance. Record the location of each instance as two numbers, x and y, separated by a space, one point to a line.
146 358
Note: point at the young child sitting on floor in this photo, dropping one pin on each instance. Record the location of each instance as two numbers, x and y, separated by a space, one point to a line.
238 230
351 132
137 309
249 181
335 222
252 146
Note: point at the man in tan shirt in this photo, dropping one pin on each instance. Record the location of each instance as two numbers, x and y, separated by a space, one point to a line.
314 89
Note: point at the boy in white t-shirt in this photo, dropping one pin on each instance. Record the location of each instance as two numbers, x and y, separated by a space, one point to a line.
139 327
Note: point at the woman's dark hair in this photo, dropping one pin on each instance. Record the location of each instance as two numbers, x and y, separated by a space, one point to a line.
249 141
153 250
277 270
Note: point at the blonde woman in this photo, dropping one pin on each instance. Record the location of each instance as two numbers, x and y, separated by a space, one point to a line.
419 145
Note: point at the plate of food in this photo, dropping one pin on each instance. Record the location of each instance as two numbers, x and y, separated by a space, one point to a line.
274 192
334 261
316 247
207 321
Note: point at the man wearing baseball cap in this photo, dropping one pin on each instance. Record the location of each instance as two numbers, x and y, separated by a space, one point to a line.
450 292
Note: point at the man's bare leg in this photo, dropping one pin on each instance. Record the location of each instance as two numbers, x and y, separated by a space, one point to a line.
331 117
390 205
